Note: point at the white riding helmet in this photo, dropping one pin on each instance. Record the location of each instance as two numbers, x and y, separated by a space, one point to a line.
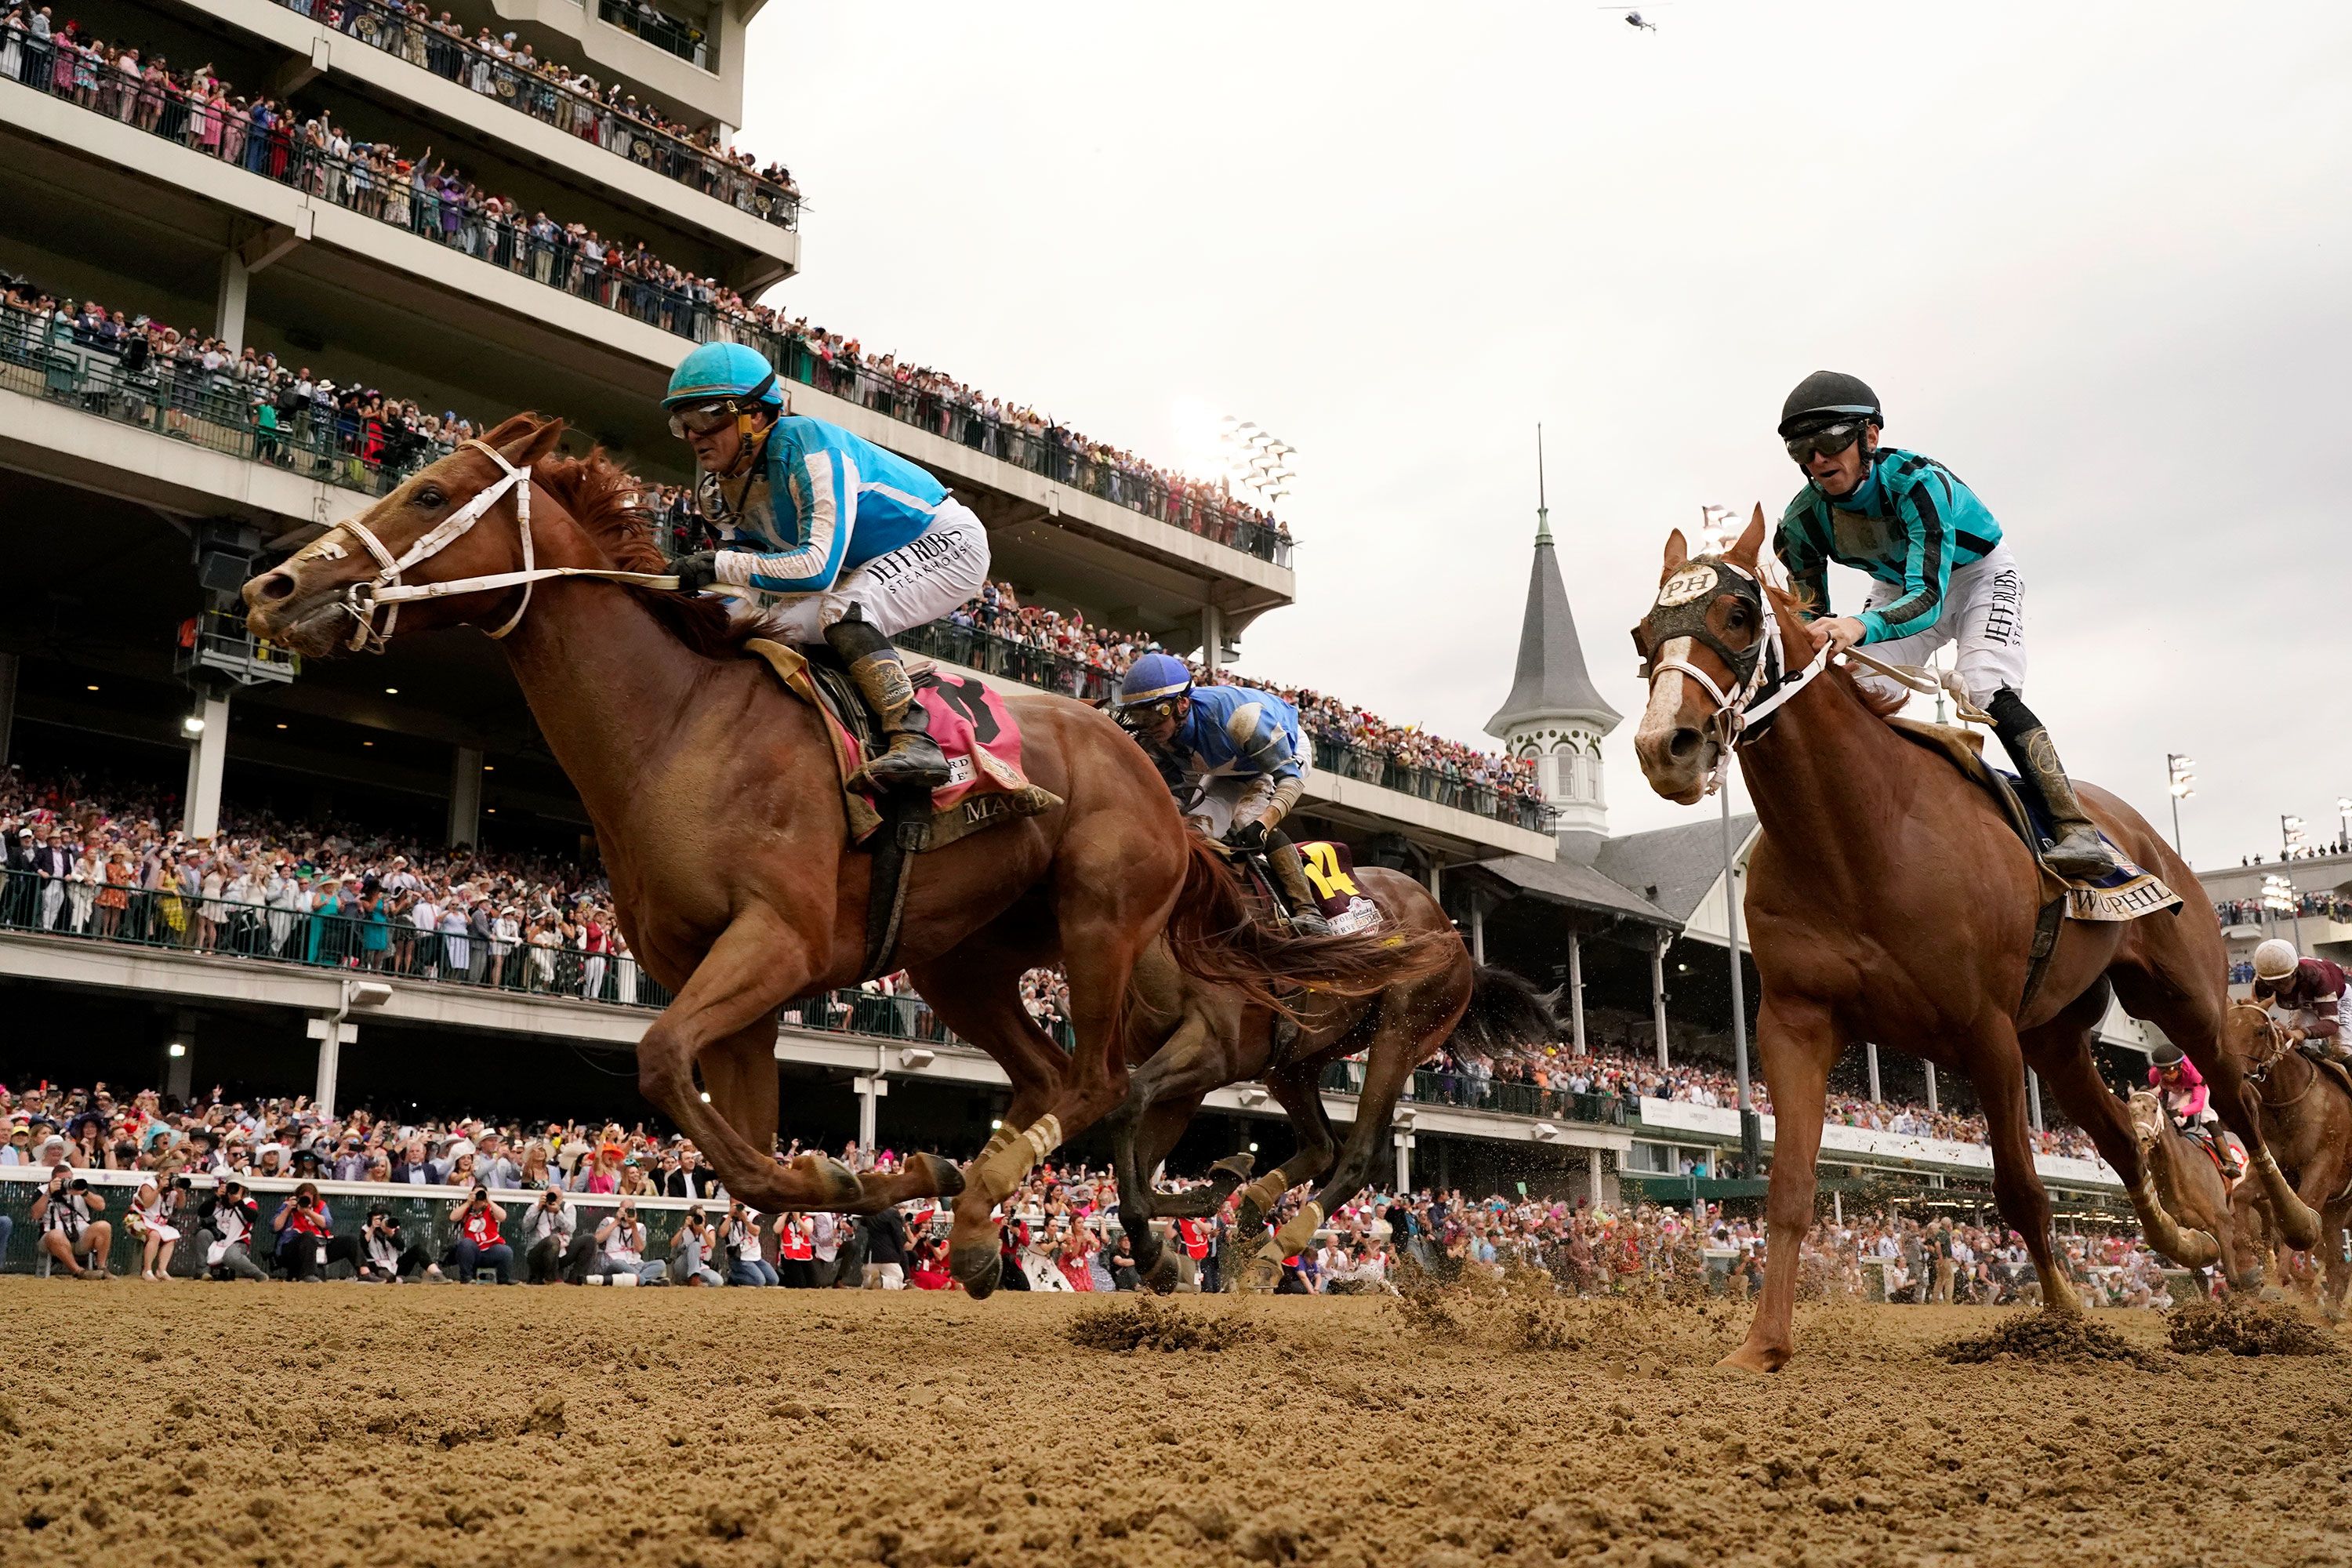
2275 959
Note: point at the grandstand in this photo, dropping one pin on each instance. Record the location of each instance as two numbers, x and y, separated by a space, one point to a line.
226 322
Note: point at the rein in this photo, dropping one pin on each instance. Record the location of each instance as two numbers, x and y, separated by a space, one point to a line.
2258 1072
384 593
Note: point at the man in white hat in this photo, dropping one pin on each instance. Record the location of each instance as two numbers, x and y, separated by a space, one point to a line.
2311 993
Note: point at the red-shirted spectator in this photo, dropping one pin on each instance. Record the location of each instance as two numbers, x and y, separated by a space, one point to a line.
479 1246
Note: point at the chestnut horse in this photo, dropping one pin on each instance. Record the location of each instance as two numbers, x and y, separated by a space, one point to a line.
2191 1188
719 813
1201 1038
2306 1111
1889 899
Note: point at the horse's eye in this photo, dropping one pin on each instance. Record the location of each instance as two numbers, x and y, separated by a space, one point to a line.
430 499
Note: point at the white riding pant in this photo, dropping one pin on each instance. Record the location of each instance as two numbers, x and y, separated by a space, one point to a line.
920 582
1221 795
1984 612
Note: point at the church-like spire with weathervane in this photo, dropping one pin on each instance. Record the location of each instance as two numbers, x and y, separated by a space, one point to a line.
1555 714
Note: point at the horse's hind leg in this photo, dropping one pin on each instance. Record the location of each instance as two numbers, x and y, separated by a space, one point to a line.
1999 1081
1300 1089
2060 1050
1140 1144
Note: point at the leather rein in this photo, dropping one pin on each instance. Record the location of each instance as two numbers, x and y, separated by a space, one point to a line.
2258 1072
383 595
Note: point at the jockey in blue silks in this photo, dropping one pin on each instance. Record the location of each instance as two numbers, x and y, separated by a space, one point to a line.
1940 573
831 535
1241 749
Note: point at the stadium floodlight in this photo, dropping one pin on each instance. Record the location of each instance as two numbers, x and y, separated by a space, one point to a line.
2343 820
193 724
2290 836
2181 782
2278 894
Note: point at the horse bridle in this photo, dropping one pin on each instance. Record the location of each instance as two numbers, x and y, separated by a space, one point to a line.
2258 1072
1761 680
385 593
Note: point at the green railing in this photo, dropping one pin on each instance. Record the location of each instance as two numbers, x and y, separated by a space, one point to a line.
1500 1096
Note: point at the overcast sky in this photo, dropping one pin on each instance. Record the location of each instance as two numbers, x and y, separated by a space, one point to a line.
2092 257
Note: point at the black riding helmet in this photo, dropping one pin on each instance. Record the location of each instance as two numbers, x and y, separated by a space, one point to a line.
1826 397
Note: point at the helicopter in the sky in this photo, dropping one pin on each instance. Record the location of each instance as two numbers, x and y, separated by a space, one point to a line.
1634 18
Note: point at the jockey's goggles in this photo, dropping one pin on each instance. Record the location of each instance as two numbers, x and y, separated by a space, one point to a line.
1826 442
702 418
1150 711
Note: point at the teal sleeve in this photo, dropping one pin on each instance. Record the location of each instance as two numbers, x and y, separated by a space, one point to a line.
1927 566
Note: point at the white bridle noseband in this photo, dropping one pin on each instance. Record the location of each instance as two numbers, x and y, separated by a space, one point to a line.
385 593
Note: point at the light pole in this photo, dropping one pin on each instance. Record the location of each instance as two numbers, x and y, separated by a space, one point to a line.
1751 1132
2291 837
2182 784
2343 822
2279 899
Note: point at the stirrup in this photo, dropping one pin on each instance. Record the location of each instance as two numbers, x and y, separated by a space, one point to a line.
1310 921
2080 852
914 761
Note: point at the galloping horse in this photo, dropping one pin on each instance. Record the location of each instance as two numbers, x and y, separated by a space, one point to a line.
1888 900
2191 1188
1201 1038
2308 1111
717 810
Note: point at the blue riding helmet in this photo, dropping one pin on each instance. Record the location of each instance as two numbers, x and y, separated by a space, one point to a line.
724 370
1154 685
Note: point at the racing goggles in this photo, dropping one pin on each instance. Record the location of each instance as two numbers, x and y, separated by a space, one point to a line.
1826 442
702 418
1145 714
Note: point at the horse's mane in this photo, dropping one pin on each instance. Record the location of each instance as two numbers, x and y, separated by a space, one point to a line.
608 503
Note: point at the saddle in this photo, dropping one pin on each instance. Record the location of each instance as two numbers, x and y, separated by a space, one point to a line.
2124 894
975 729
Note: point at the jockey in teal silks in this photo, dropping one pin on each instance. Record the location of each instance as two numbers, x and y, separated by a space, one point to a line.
833 536
1242 749
1940 573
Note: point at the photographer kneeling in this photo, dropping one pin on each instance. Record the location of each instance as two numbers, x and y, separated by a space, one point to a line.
553 1246
307 1241
621 1250
384 1260
225 1230
67 1211
478 1245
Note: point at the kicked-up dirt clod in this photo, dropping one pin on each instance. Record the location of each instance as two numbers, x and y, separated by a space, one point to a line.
2242 1326
313 1426
1147 1323
2048 1337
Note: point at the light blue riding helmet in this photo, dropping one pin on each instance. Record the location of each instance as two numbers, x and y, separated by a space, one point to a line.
724 370
1154 685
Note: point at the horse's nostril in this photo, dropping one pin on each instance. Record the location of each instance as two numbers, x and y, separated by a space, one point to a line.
277 585
1683 744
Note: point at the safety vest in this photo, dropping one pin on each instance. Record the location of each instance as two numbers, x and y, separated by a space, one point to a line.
796 1246
1195 1238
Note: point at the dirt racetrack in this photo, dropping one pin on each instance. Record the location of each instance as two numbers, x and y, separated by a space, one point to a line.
337 1424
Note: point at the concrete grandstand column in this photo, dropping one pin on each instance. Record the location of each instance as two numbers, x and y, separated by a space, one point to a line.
333 1032
1932 1107
870 1090
1576 990
2034 1096
8 662
1212 637
180 1056
228 309
1403 1162
1477 929
465 796
206 730
1658 992
1436 878
1597 1158
1870 1055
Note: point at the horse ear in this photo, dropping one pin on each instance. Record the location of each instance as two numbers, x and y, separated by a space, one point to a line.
1678 554
527 450
1752 540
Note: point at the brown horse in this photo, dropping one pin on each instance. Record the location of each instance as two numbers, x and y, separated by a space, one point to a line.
1201 1038
1888 900
2306 1111
719 813
2191 1188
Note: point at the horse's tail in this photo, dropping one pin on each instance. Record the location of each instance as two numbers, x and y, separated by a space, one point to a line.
1215 938
1506 1015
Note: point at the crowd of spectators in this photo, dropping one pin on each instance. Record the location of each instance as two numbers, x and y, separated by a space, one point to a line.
430 197
2322 903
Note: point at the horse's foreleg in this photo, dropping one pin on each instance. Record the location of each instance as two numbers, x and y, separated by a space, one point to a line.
1146 1142
2333 1221
1299 1091
728 1008
1999 1081
1797 1044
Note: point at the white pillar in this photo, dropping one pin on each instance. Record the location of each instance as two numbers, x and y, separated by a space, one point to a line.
1436 878
228 313
207 754
1932 1107
7 702
333 1035
870 1090
1658 993
1477 929
2034 1096
1404 1162
464 796
1870 1055
1576 990
1212 637
1597 1157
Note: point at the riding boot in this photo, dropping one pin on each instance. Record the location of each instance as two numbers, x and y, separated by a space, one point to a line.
913 760
2079 852
1291 876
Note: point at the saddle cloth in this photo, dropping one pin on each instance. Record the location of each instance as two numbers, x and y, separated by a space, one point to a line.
1331 878
2124 894
972 724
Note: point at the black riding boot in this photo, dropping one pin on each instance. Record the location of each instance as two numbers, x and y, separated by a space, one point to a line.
914 760
1290 874
2079 852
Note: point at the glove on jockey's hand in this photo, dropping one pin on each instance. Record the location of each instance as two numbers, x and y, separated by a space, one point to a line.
1246 836
696 571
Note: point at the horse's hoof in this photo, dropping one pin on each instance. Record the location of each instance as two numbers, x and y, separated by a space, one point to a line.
1239 1167
978 1271
944 1177
1162 1277
1754 1358
1260 1275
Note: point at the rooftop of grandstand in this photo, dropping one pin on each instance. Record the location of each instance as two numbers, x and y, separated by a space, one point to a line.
427 197
498 68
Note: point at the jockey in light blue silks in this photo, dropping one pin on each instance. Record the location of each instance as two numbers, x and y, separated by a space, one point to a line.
833 536
1241 749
